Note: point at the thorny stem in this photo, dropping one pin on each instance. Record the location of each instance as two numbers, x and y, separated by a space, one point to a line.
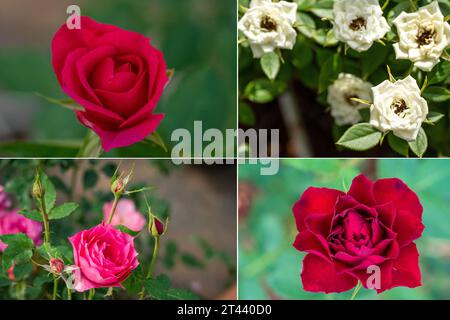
113 209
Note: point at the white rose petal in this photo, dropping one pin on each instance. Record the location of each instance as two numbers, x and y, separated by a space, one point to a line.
424 35
398 107
359 23
343 109
269 25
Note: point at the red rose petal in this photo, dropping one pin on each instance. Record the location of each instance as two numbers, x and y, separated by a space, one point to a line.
406 269
361 190
311 243
408 223
318 275
315 201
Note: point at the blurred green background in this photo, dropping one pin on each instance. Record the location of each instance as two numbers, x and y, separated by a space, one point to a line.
197 37
269 267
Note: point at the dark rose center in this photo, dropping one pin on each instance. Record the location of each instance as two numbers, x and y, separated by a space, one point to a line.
399 106
358 24
268 24
426 35
349 100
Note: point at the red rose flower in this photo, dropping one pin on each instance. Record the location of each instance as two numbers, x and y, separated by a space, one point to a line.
344 234
115 75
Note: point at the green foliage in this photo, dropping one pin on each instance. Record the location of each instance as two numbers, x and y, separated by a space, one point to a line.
360 137
159 289
19 250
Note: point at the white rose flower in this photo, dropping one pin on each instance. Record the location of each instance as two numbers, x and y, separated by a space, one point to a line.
359 23
340 94
398 107
269 25
424 35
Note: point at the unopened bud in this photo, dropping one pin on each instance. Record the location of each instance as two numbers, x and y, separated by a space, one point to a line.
156 227
38 189
56 265
117 186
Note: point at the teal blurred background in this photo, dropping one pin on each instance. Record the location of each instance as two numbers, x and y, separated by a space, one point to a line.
197 37
269 267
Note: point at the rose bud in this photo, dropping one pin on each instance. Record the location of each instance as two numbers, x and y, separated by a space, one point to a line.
119 184
104 257
156 227
10 272
56 265
38 189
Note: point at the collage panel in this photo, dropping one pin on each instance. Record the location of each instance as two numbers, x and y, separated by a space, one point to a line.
341 229
347 78
116 230
114 78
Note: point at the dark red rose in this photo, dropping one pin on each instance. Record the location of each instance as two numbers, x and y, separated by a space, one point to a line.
374 224
117 76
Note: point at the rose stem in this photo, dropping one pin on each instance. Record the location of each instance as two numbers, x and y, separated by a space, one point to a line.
152 264
113 209
355 292
55 287
91 294
69 294
45 220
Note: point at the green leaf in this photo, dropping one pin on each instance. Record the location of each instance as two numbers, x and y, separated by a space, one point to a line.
360 137
398 145
264 90
192 261
90 179
50 192
157 287
270 64
329 72
436 94
65 103
440 73
19 250
127 230
109 169
181 294
62 211
91 146
246 115
305 24
156 139
420 145
32 214
373 59
434 117
302 54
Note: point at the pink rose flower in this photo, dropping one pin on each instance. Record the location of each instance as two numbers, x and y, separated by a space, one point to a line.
104 257
11 223
116 75
125 215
